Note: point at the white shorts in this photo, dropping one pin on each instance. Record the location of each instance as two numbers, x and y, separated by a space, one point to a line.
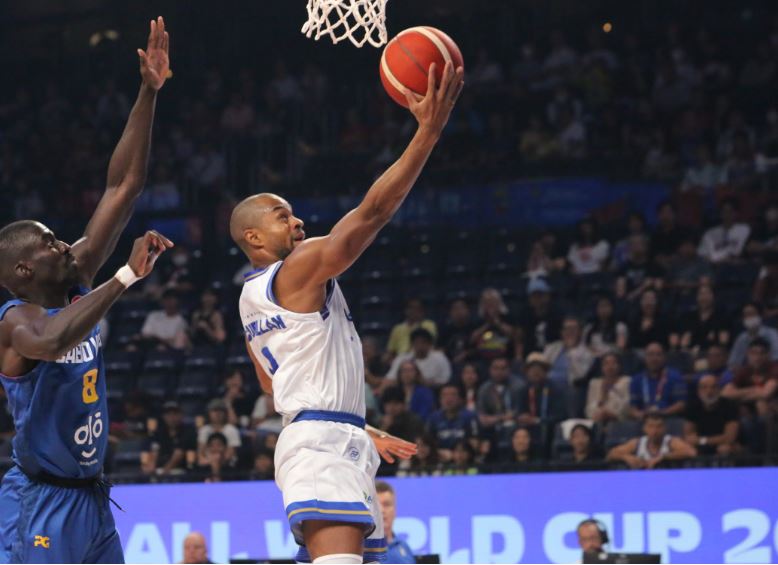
326 471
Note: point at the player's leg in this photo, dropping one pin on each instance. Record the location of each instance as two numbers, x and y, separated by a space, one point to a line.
40 523
339 540
107 547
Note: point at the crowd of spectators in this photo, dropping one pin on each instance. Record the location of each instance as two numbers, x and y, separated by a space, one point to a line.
625 343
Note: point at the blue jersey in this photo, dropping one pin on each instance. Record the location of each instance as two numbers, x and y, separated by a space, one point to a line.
60 409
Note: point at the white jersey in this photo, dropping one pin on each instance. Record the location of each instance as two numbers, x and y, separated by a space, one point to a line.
315 359
643 451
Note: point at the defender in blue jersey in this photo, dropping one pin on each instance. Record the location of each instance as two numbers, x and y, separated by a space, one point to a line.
54 504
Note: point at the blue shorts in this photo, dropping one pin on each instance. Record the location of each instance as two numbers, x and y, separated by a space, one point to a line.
41 523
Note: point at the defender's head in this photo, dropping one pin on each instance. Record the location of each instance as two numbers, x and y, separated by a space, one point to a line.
265 228
30 254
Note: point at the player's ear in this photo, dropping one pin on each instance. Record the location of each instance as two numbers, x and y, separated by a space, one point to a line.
253 238
23 270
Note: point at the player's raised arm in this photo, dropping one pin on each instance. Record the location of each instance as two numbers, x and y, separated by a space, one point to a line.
30 332
129 162
319 259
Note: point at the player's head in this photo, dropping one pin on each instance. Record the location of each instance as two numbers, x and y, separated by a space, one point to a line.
654 427
265 228
30 254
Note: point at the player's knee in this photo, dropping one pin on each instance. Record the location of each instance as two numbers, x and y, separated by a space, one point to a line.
339 558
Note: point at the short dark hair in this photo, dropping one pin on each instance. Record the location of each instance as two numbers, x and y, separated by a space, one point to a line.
583 427
381 486
653 416
169 293
454 386
393 394
759 342
216 436
14 238
421 333
755 305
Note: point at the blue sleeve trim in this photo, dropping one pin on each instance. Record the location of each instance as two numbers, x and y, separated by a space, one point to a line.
8 305
270 295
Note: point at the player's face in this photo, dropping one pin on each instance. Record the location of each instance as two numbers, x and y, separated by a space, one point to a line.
282 230
52 260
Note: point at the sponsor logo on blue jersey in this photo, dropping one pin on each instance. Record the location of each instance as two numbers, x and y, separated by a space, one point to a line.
263 326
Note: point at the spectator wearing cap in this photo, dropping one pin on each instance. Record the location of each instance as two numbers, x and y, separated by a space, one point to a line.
217 423
397 419
607 398
397 550
569 357
173 445
433 365
711 422
653 447
589 251
541 404
540 325
754 327
725 242
452 423
495 336
166 328
400 337
498 403
659 389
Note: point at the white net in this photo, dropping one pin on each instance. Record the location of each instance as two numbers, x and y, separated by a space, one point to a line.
361 21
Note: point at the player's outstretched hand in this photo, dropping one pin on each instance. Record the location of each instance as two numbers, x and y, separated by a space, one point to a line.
145 251
433 109
154 61
390 447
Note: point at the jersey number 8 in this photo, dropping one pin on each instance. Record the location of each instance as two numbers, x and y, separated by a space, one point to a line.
89 392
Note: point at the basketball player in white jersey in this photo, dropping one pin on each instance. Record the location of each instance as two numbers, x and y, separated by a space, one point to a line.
307 353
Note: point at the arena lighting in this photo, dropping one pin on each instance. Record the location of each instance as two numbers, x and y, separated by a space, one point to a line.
96 38
607 27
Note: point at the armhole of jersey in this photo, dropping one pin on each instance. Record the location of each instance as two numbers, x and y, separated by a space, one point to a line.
7 306
325 310
270 295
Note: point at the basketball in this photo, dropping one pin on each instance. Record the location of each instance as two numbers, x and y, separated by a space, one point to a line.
407 58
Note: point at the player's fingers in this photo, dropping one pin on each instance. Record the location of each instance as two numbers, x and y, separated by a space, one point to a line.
160 31
142 57
411 97
431 79
455 86
166 43
388 457
445 81
152 34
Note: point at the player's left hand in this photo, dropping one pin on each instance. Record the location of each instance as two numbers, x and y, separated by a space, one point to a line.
154 61
390 447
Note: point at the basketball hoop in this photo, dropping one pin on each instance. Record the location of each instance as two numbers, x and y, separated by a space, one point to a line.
361 21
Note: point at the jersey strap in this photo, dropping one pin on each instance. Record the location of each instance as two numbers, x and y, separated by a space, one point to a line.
8 305
330 416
